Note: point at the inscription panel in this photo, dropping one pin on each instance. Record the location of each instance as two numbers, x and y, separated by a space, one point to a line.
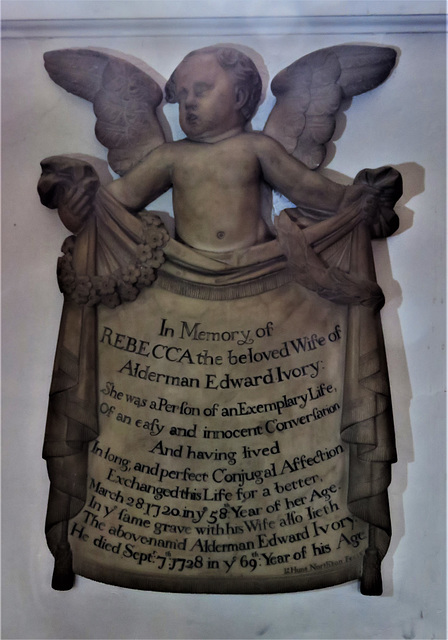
219 453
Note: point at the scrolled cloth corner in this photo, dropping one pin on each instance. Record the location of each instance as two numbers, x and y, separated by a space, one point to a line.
113 257
367 419
341 268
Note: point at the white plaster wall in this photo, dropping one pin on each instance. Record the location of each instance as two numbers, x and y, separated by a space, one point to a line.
402 123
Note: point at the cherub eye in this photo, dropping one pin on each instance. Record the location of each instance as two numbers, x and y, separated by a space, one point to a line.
200 89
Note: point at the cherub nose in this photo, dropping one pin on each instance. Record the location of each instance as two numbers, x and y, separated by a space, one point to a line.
190 101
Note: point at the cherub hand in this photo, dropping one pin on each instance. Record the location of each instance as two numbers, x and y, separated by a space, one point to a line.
74 207
69 185
365 199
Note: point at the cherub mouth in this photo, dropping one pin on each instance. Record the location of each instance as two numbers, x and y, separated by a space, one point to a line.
191 118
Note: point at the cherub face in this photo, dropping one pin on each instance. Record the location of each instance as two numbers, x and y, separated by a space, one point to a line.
208 102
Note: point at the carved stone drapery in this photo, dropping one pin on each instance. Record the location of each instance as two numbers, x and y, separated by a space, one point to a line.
366 423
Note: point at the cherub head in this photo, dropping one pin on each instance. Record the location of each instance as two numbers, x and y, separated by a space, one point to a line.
217 88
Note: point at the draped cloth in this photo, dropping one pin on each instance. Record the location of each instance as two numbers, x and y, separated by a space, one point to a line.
117 254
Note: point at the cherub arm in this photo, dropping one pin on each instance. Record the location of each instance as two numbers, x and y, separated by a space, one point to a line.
146 181
347 206
294 180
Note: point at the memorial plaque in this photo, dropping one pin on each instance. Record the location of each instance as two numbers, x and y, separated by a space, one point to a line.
220 416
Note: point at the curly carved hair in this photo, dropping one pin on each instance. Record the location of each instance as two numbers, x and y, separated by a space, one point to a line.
235 62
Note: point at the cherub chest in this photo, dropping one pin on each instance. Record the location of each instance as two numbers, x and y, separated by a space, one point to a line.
213 164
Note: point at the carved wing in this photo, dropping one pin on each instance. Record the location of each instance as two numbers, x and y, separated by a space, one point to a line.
124 98
310 91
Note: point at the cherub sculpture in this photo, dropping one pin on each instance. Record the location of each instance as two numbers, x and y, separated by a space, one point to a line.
217 174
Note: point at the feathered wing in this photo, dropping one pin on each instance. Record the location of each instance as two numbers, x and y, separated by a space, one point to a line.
310 91
124 98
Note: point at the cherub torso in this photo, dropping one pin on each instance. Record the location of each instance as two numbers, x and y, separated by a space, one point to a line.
217 194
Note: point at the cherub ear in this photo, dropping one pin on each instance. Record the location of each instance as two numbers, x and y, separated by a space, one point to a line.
241 97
